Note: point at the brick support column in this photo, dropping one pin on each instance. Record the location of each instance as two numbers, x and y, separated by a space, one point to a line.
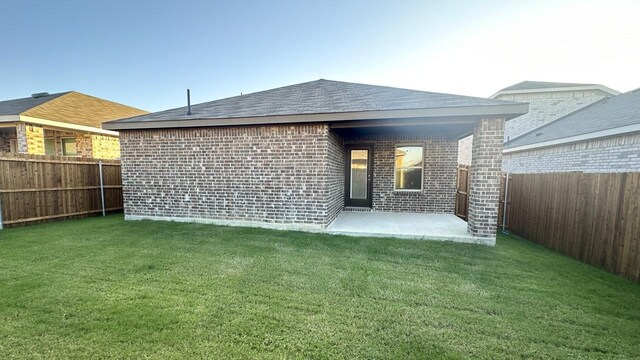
484 188
30 139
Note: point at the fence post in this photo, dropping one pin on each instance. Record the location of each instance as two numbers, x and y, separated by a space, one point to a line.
504 206
104 213
0 211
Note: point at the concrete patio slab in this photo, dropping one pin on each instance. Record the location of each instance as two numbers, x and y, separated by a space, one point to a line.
445 227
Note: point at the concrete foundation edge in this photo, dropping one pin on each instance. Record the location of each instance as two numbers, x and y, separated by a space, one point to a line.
490 241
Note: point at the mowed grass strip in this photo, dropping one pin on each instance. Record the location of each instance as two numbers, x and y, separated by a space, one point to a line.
106 288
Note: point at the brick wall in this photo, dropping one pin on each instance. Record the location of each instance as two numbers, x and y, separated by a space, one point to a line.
30 139
464 150
486 168
438 194
105 147
267 174
545 107
614 154
335 164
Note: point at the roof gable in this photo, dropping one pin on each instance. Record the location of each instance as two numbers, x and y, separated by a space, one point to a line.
609 113
80 109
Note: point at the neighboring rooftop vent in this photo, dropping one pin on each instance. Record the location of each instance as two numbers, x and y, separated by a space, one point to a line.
39 95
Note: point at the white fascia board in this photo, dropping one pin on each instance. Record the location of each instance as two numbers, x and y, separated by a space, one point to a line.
67 126
506 111
577 138
9 118
557 89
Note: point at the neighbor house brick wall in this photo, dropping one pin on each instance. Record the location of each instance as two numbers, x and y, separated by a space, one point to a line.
464 150
440 155
614 154
484 189
105 146
267 174
30 139
545 107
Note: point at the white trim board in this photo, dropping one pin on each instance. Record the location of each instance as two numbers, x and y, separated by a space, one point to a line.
66 126
557 89
577 138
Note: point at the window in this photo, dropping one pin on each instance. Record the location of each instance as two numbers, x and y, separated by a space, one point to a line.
49 146
13 146
69 147
409 166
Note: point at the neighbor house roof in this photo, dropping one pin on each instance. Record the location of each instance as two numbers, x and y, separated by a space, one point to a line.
544 86
321 100
607 117
72 110
18 106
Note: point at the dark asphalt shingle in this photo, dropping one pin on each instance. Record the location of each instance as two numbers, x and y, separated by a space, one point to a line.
18 106
316 97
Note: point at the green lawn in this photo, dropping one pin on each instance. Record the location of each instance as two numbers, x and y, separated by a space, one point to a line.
102 287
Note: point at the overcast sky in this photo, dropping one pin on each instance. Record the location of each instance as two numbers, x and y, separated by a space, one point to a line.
146 53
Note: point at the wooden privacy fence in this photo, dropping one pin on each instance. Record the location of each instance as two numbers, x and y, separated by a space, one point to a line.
594 218
36 188
462 191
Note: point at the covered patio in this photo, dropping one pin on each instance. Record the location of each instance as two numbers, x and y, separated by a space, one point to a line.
421 226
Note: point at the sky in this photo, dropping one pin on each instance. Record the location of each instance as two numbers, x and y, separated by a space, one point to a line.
147 53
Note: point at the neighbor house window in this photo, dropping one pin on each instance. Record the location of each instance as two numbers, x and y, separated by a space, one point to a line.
13 146
69 147
408 167
49 146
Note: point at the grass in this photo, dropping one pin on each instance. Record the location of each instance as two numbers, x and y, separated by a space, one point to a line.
105 288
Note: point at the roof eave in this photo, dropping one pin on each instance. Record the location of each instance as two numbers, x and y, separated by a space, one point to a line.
622 130
506 111
557 89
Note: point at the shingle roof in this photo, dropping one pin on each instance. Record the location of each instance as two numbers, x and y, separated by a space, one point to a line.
316 97
608 113
532 85
18 106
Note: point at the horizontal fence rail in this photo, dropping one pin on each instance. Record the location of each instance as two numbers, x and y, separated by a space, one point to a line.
35 188
594 218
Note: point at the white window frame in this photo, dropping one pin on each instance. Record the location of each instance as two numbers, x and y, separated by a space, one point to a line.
62 146
395 168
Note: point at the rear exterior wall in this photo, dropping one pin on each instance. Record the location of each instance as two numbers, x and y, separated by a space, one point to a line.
439 180
277 175
613 154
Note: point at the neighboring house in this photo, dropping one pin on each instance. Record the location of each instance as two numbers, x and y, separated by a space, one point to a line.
602 137
295 157
68 124
547 102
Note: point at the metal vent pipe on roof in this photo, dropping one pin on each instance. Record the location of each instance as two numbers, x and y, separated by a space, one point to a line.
188 102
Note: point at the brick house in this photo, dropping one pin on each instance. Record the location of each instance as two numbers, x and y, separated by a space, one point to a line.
601 137
299 156
547 101
63 124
